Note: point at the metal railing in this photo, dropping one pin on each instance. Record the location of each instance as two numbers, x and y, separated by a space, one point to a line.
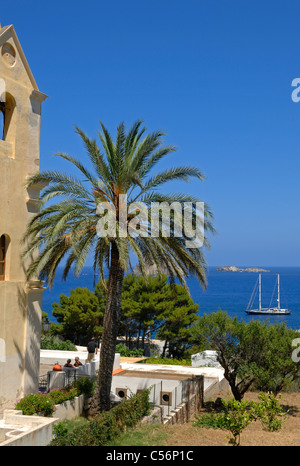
70 376
43 383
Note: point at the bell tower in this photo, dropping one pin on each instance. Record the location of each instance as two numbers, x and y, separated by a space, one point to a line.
20 301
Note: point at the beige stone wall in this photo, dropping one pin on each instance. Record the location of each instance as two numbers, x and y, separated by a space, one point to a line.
191 405
20 304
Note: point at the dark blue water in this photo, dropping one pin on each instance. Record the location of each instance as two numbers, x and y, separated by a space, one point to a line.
230 291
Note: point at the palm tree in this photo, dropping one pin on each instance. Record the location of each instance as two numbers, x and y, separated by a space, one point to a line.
66 231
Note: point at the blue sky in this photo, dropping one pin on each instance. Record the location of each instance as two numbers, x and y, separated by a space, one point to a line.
214 74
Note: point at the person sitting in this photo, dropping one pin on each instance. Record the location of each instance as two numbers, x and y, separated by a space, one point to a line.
57 367
77 362
68 363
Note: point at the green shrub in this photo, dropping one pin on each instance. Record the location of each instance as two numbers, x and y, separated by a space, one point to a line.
85 386
236 415
106 426
61 395
270 412
36 403
126 352
55 343
44 403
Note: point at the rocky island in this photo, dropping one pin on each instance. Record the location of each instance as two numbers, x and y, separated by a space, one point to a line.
233 268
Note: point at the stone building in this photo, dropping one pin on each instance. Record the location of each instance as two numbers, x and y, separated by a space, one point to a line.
20 302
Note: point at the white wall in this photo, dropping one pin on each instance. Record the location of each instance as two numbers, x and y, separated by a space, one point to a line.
23 430
52 356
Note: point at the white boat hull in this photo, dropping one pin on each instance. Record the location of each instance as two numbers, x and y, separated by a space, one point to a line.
269 312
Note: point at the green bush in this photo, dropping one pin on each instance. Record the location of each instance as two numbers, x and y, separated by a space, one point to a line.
35 403
126 352
59 396
54 343
44 403
85 386
270 412
106 426
236 415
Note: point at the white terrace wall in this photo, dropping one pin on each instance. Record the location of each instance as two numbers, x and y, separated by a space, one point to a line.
52 356
18 430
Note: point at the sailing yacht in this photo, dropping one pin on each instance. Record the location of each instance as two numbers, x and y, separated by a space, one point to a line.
270 310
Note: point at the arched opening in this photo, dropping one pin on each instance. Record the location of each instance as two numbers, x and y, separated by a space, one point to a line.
2 119
7 118
4 242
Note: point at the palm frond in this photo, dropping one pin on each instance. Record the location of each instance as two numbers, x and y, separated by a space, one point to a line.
66 230
93 152
172 174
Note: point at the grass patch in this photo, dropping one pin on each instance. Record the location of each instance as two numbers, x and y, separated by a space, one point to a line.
144 436
68 425
168 361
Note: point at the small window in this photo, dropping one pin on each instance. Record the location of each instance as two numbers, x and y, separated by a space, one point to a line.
3 248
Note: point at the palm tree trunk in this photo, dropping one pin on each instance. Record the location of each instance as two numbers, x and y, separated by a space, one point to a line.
164 349
138 338
111 323
143 337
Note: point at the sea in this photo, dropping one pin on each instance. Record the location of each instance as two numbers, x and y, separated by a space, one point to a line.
229 291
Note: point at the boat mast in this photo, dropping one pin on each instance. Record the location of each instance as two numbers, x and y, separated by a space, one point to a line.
260 292
278 293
